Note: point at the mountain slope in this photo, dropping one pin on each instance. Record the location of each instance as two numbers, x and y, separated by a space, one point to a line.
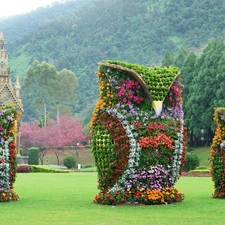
78 34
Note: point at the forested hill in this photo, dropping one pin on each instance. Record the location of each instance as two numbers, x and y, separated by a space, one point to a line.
78 34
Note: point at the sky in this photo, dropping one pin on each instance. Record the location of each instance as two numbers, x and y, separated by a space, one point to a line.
15 7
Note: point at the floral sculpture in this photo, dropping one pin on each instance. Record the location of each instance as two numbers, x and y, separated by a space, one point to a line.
138 134
8 128
217 153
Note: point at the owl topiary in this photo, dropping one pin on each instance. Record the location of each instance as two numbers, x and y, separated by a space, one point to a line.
217 153
138 134
8 131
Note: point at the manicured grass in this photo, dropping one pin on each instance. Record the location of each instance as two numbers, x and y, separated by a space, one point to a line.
203 155
64 199
84 157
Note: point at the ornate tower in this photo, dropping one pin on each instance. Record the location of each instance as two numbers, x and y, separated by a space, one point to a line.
9 95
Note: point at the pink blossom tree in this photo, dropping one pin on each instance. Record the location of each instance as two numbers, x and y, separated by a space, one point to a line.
67 132
34 136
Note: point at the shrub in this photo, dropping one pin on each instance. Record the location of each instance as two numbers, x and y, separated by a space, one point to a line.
192 161
69 162
21 152
23 169
200 171
202 168
88 166
43 169
33 156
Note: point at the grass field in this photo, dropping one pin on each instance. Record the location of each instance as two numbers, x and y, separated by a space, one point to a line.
85 157
66 199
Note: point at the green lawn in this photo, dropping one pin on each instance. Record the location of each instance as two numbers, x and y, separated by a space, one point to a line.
66 199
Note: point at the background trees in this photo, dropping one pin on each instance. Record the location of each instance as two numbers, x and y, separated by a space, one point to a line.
78 34
49 91
204 82
39 85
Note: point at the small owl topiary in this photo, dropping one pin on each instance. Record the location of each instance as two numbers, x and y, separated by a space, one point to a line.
217 153
8 165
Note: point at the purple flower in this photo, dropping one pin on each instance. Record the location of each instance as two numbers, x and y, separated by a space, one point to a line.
118 105
3 112
155 116
10 118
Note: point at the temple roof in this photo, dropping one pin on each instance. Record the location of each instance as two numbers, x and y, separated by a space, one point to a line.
7 97
1 36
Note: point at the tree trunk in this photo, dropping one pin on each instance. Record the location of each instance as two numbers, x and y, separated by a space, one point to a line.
58 113
57 157
45 112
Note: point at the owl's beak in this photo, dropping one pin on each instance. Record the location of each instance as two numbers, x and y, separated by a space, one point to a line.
157 106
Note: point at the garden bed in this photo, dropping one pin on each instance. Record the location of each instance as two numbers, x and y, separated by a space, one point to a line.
195 174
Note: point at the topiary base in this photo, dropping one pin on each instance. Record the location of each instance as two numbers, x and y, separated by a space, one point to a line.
140 197
8 195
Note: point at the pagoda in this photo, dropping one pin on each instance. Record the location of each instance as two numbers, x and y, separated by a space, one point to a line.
9 94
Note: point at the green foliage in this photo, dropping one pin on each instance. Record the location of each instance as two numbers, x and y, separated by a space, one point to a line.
168 60
71 35
48 91
42 169
200 171
69 162
33 154
21 152
180 57
192 161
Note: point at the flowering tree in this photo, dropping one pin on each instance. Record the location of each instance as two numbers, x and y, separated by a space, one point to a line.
34 135
57 135
67 132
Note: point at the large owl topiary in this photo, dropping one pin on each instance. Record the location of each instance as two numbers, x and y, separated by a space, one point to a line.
138 134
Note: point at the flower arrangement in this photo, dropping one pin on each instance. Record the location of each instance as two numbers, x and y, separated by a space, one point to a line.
217 154
139 150
8 117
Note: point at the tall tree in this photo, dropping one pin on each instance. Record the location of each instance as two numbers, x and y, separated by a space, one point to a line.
65 94
180 57
204 87
220 78
167 60
188 72
40 84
